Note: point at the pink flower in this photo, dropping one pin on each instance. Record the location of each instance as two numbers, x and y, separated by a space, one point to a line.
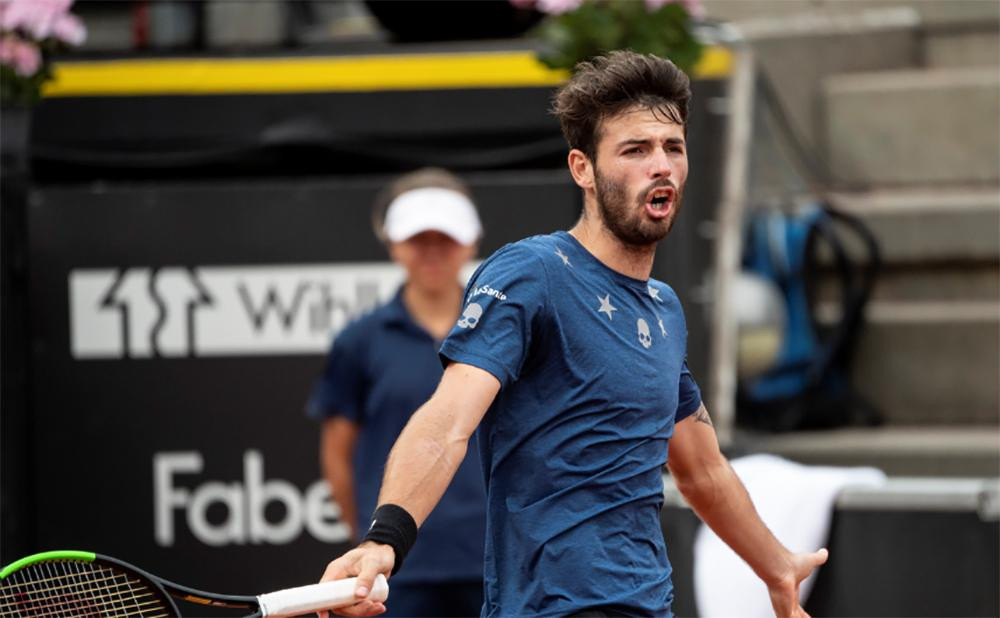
41 19
558 7
69 29
22 56
654 5
694 8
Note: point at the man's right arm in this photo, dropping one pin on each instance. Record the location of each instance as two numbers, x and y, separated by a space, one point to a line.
420 467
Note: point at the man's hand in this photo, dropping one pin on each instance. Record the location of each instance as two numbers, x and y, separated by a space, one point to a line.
785 592
364 562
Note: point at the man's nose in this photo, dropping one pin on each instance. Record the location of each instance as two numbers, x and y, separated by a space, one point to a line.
659 165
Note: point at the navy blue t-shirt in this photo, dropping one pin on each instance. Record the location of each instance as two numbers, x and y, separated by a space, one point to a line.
593 374
380 369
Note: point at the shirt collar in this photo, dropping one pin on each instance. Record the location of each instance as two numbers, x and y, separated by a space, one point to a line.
394 312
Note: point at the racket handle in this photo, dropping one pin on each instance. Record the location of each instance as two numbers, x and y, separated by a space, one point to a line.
314 597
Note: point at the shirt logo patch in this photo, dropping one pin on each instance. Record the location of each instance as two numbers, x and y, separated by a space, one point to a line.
645 338
470 317
487 290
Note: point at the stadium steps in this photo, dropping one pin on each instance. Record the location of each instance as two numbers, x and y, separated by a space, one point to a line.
916 154
931 340
918 126
901 99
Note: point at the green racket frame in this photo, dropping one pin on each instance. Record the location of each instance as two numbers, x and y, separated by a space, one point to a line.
164 589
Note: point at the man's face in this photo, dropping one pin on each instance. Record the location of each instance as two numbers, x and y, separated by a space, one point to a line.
639 175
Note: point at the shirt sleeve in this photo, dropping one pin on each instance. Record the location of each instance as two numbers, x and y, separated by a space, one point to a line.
504 302
340 390
688 396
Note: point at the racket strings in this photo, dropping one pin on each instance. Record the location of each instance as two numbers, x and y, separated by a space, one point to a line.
72 583
76 589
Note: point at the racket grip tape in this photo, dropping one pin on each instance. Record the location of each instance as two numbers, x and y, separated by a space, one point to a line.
314 597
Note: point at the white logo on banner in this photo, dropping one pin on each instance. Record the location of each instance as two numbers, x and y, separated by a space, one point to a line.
245 504
220 311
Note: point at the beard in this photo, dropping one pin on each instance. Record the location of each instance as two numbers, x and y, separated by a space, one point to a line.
625 217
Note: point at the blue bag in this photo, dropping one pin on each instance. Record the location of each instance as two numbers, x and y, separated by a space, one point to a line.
808 386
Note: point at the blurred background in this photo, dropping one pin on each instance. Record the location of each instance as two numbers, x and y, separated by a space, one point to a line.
186 189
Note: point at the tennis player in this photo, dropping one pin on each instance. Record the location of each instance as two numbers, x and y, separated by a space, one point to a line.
570 360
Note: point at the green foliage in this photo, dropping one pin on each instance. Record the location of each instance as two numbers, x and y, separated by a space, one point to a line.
600 26
22 91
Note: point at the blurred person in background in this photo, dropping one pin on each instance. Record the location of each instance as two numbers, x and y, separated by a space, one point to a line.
383 366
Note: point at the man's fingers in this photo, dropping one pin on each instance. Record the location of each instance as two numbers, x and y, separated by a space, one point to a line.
366 578
338 569
365 563
362 608
806 564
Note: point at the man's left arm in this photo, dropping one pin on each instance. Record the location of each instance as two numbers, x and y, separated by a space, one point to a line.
717 495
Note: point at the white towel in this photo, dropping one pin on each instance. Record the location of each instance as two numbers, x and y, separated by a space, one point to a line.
796 504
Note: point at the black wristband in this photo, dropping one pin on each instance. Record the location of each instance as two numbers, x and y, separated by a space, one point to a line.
393 526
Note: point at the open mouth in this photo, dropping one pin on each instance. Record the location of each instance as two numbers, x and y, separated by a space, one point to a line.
659 200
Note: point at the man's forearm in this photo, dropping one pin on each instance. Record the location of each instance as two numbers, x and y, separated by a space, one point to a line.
722 502
423 461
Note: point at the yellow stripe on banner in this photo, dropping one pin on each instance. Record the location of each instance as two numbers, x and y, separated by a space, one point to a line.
715 63
320 74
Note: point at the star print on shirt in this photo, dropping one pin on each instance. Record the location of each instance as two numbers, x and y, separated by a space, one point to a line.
564 257
606 305
662 329
654 293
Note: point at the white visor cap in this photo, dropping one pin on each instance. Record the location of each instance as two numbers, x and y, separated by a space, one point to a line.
432 209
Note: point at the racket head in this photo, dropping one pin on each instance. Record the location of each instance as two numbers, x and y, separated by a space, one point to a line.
80 583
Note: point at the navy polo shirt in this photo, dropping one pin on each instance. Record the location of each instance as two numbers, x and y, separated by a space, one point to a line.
380 369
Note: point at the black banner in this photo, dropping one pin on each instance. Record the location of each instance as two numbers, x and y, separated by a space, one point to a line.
178 320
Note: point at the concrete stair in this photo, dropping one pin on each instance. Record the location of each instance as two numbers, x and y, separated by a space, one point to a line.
962 48
922 126
931 363
933 324
921 225
961 451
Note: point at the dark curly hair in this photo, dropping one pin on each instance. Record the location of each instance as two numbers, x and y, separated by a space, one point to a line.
608 85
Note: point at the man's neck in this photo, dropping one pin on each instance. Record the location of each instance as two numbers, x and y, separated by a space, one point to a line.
629 260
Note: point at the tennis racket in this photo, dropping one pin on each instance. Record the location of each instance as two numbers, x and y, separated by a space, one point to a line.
77 583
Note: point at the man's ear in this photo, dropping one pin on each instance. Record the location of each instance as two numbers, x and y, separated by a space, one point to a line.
582 169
